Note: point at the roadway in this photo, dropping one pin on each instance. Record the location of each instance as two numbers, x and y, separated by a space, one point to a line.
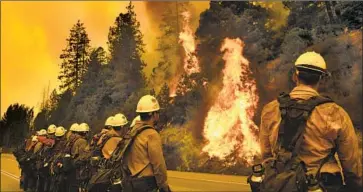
179 181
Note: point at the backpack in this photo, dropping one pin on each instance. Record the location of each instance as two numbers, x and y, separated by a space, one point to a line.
112 170
97 150
56 156
66 158
286 172
94 160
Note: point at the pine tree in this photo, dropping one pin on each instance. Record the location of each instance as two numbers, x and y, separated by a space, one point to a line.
53 100
84 105
41 120
58 113
75 58
45 97
126 48
97 59
125 42
16 123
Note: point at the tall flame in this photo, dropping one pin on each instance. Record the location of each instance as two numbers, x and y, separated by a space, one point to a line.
191 63
186 38
228 125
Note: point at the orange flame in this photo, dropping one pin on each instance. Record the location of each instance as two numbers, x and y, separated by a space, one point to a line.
173 84
229 121
186 38
191 63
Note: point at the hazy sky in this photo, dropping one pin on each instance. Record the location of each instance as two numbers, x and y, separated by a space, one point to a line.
33 35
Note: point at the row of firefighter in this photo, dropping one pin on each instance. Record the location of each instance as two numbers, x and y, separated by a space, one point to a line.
115 159
300 132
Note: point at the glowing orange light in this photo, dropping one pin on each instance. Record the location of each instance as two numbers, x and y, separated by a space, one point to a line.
228 125
191 63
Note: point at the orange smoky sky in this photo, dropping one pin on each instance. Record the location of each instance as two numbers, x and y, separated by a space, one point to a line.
33 35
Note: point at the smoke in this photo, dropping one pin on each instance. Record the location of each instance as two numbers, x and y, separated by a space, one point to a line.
278 14
343 56
155 9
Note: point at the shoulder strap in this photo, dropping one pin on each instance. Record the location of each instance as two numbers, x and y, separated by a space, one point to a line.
105 139
71 143
310 106
306 107
126 142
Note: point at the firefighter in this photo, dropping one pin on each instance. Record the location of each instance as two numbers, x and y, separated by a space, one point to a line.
78 151
38 160
29 171
106 128
20 155
113 136
51 131
71 131
65 161
57 176
48 154
328 128
42 156
105 147
41 137
145 159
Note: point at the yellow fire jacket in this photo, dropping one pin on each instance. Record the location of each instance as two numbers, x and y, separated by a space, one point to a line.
111 144
328 127
146 152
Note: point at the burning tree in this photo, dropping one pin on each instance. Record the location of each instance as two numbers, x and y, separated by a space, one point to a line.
228 126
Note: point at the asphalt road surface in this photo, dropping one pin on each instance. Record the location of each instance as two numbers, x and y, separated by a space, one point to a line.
179 181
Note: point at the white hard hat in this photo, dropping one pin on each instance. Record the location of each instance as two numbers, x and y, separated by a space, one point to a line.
42 132
119 120
34 139
51 129
74 127
147 104
138 118
83 127
109 121
311 61
60 131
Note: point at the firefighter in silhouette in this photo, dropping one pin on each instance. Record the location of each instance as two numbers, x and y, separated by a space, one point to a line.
46 154
78 151
29 168
328 129
38 157
56 179
72 130
145 159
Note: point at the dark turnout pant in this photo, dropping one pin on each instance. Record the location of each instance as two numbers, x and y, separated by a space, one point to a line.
142 184
332 182
73 183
